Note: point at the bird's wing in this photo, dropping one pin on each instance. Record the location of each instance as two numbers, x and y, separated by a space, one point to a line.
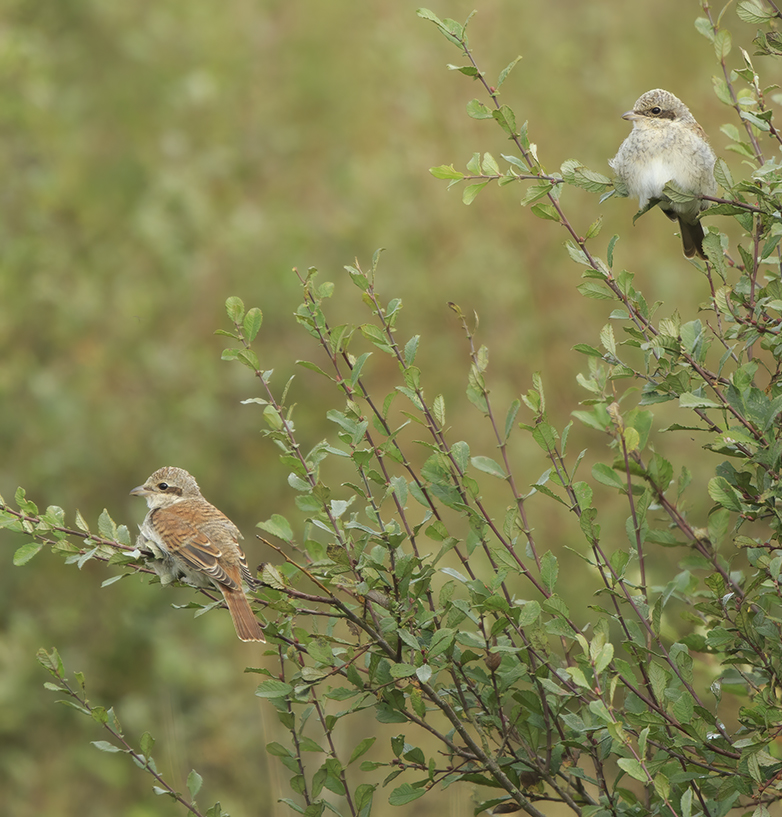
197 537
225 535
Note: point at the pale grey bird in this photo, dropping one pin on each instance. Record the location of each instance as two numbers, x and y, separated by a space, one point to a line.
665 145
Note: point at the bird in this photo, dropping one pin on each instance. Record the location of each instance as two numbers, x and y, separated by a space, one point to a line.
192 541
665 145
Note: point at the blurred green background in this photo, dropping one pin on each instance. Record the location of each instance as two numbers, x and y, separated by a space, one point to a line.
158 157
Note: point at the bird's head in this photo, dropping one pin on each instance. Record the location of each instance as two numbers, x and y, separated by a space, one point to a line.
658 108
167 486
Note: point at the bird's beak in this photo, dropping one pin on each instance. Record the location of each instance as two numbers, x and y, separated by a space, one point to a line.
631 115
139 490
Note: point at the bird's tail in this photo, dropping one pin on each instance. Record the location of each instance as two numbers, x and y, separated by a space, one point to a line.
246 624
692 238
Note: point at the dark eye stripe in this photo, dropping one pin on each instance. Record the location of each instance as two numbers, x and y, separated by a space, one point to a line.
662 113
166 488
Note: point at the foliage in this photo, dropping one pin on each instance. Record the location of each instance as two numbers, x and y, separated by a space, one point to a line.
107 718
401 589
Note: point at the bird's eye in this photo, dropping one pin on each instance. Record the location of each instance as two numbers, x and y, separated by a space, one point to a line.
163 486
656 110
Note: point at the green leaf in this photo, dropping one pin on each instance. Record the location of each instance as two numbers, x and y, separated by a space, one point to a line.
594 228
530 612
363 796
252 323
510 417
505 71
146 743
586 349
600 710
757 121
50 661
474 165
705 27
576 253
424 674
722 174
467 70
607 339
610 253
277 526
689 400
578 677
411 347
591 289
99 714
722 43
677 194
490 166
105 746
662 785
441 641
489 466
733 133
106 526
518 163
579 175
375 335
26 552
477 110
546 212
450 29
460 452
405 794
307 744
361 749
686 802
425 14
273 688
278 750
545 435
10 521
235 308
506 119
402 670
471 191
249 358
355 373
604 657
722 92
194 782
606 475
633 767
546 491
446 172
753 12
386 714
549 570
684 708
724 494
534 192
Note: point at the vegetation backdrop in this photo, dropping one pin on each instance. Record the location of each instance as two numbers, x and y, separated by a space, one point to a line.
158 157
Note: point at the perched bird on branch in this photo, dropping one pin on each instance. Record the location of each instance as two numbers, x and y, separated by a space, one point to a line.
665 145
192 541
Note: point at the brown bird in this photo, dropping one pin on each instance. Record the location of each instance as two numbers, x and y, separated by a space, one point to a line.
665 145
194 542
